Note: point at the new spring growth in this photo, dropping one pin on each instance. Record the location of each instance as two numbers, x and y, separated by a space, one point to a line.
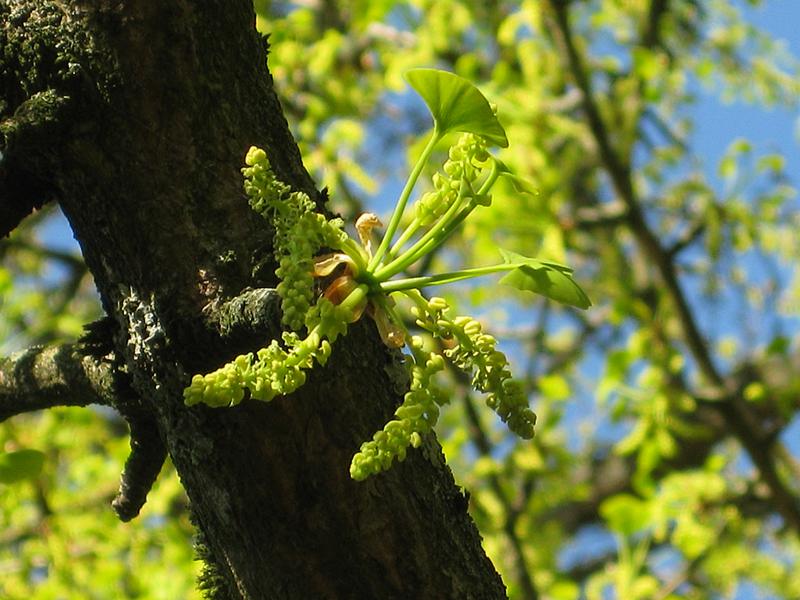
359 279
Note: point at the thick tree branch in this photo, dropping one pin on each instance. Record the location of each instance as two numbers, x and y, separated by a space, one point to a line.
651 35
610 214
252 315
23 184
38 100
75 375
44 377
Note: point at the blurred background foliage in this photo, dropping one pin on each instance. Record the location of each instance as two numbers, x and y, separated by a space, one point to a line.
667 456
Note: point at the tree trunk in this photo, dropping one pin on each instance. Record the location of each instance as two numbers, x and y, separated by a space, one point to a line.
135 116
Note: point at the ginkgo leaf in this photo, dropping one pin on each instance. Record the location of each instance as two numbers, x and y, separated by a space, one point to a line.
549 279
520 183
457 105
19 465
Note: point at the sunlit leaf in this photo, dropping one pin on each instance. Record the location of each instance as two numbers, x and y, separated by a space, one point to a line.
521 184
625 514
546 278
693 537
19 465
554 387
457 105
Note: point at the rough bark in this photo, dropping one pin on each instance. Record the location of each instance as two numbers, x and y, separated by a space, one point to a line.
135 115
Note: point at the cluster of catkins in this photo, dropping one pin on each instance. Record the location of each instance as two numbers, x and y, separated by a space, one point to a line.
299 233
460 173
476 355
279 368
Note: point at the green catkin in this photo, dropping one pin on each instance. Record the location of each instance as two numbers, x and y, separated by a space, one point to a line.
461 166
415 417
476 355
276 370
300 232
279 369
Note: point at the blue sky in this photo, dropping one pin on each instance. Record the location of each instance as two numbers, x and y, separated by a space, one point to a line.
770 130
717 124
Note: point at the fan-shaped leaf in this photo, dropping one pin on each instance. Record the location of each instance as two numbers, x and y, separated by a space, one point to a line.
546 278
457 105
520 183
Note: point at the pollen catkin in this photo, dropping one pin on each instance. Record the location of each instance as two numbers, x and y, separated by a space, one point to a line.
279 368
415 417
300 232
462 168
275 370
476 354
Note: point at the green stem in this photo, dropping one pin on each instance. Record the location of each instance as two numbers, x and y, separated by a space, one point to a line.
355 297
306 348
440 232
409 231
354 251
401 202
417 298
436 235
391 312
398 285
494 173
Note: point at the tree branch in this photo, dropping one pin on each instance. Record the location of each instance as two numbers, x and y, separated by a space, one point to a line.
142 467
44 377
37 102
609 214
73 375
22 188
688 237
254 312
651 34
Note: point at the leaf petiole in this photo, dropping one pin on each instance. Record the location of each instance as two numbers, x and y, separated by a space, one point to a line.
399 285
407 234
441 230
432 238
399 208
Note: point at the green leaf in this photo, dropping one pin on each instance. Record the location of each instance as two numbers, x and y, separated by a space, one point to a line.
554 387
625 514
520 184
19 465
546 278
456 104
693 537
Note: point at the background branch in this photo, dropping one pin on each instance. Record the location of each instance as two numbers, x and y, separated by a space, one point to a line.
740 422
